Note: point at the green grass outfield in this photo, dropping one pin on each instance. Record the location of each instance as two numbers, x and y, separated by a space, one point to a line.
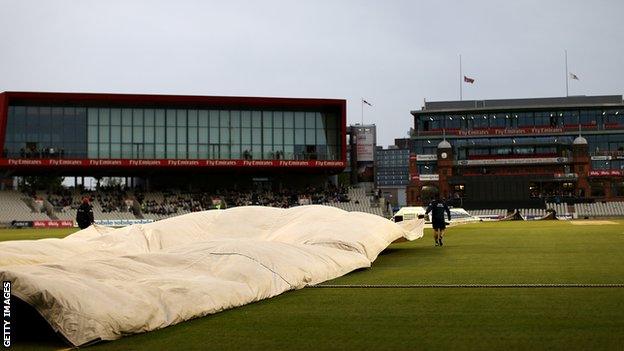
545 252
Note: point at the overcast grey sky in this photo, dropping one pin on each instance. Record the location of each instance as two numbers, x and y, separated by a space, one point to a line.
392 53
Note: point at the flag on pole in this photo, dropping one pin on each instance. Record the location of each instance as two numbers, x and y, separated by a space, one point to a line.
469 80
366 102
574 76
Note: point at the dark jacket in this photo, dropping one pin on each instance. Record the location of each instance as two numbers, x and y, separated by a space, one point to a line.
437 209
84 216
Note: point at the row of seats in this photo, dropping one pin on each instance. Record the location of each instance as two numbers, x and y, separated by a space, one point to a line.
533 212
14 207
596 209
600 209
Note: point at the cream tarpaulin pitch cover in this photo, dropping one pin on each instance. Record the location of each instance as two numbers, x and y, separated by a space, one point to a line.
103 283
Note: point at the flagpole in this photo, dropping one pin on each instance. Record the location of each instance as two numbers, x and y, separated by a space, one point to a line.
461 86
566 71
362 105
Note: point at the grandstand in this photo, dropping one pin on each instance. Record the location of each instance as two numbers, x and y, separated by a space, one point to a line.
578 210
156 205
600 209
360 201
132 205
15 206
497 154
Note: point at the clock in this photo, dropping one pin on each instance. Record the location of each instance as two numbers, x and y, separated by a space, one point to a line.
443 155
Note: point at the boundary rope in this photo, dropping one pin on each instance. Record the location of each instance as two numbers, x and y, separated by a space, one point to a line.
455 286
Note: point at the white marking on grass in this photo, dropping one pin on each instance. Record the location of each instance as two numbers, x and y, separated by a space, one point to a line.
595 222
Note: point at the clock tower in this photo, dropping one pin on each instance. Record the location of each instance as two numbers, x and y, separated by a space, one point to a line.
445 167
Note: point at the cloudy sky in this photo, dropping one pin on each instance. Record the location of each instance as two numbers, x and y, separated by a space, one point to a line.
393 53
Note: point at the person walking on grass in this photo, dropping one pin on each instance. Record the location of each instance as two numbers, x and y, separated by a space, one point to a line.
437 207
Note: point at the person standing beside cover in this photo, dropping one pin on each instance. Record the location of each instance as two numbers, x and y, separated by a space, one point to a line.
84 215
437 208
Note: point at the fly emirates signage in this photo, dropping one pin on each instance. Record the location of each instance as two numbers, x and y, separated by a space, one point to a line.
517 131
172 163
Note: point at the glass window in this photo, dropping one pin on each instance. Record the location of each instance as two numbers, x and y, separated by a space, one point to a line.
181 118
310 120
224 152
192 135
115 134
224 119
235 152
278 137
126 150
453 122
332 136
159 151
160 135
202 150
202 118
588 117
321 138
181 135
104 135
289 121
299 136
320 121
137 135
115 116
126 134
137 117
256 119
192 151
192 118
267 119
289 135
235 119
214 135
92 150
267 136
525 119
299 120
310 136
126 117
171 151
256 136
148 151
278 119
246 119
289 152
235 136
115 150
181 151
202 135
246 135
225 136
149 117
160 117
214 119
171 135
92 134
149 134
104 151
171 120
92 115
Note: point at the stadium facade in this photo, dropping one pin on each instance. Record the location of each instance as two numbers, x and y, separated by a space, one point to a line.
141 135
518 152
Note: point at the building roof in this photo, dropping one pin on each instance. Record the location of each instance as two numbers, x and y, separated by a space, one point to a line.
444 144
520 104
579 140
